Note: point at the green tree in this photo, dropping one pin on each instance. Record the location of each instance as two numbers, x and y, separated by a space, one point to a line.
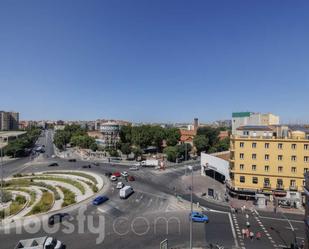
125 134
137 152
223 145
201 143
172 136
171 153
183 150
210 133
125 149
158 135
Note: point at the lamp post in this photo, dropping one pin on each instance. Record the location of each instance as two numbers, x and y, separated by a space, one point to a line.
1 151
191 197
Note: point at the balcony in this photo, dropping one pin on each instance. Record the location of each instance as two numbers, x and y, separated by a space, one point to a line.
267 185
280 187
293 188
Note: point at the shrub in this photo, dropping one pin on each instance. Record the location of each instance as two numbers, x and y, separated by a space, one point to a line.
44 204
69 197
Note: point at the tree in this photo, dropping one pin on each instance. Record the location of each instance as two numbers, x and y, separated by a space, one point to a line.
183 150
223 145
172 136
125 149
171 153
210 133
158 136
201 143
137 152
125 134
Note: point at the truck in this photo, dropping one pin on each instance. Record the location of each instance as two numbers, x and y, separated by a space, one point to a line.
125 192
40 243
150 163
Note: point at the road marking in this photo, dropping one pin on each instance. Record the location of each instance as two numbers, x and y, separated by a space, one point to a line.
279 219
233 229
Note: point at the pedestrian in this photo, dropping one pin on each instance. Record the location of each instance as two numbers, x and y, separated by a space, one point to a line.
243 231
247 224
247 216
251 235
247 233
258 236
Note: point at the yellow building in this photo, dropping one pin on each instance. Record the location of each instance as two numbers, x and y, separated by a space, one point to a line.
270 160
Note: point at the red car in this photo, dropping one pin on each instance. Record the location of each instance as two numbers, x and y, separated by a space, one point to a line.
131 178
117 174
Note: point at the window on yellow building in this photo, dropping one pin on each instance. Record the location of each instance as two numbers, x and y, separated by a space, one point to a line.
280 157
280 146
293 169
279 183
266 145
266 182
254 180
306 146
253 145
293 146
266 157
242 179
292 183
293 158
241 167
253 167
266 168
306 159
254 156
241 145
280 168
241 156
305 170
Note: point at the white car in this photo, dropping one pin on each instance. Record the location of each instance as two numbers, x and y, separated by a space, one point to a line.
120 185
113 178
124 174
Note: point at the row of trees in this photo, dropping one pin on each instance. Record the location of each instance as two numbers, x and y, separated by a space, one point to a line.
207 139
21 146
148 135
76 136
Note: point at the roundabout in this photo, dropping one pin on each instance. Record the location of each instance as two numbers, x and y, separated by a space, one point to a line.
35 194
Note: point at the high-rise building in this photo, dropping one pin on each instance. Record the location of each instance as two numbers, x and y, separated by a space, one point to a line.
269 159
249 118
9 121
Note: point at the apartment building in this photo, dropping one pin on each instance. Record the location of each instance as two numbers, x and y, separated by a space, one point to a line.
9 121
270 160
250 118
306 189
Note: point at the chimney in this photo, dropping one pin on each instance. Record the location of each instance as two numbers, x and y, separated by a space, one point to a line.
195 123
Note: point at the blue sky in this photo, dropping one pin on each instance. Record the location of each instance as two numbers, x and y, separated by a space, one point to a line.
168 60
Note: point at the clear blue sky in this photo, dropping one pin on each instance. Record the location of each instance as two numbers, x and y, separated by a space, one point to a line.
146 60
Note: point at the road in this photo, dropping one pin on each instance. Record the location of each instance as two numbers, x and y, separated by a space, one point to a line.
151 214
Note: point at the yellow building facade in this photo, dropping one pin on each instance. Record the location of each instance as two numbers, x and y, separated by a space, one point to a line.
268 164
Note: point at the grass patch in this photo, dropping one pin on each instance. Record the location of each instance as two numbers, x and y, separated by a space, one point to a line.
91 185
44 204
69 197
17 205
28 191
84 175
28 182
74 183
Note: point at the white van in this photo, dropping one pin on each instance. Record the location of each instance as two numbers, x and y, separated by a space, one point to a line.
125 192
119 185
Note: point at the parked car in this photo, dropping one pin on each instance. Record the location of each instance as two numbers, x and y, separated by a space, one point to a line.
96 164
124 173
57 218
88 166
72 160
99 200
119 185
53 164
113 178
131 178
117 174
199 217
134 168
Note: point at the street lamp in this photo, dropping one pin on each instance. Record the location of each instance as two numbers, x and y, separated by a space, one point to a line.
1 151
191 168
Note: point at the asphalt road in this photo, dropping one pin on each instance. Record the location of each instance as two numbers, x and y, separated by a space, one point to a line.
149 216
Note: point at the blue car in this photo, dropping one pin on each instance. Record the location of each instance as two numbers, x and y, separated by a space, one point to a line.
99 200
199 217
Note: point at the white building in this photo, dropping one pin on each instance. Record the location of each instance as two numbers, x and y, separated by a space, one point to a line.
250 118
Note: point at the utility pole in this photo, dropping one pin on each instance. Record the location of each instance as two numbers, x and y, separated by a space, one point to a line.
191 168
1 151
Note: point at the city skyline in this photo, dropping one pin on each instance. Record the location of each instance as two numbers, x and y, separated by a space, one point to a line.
159 62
